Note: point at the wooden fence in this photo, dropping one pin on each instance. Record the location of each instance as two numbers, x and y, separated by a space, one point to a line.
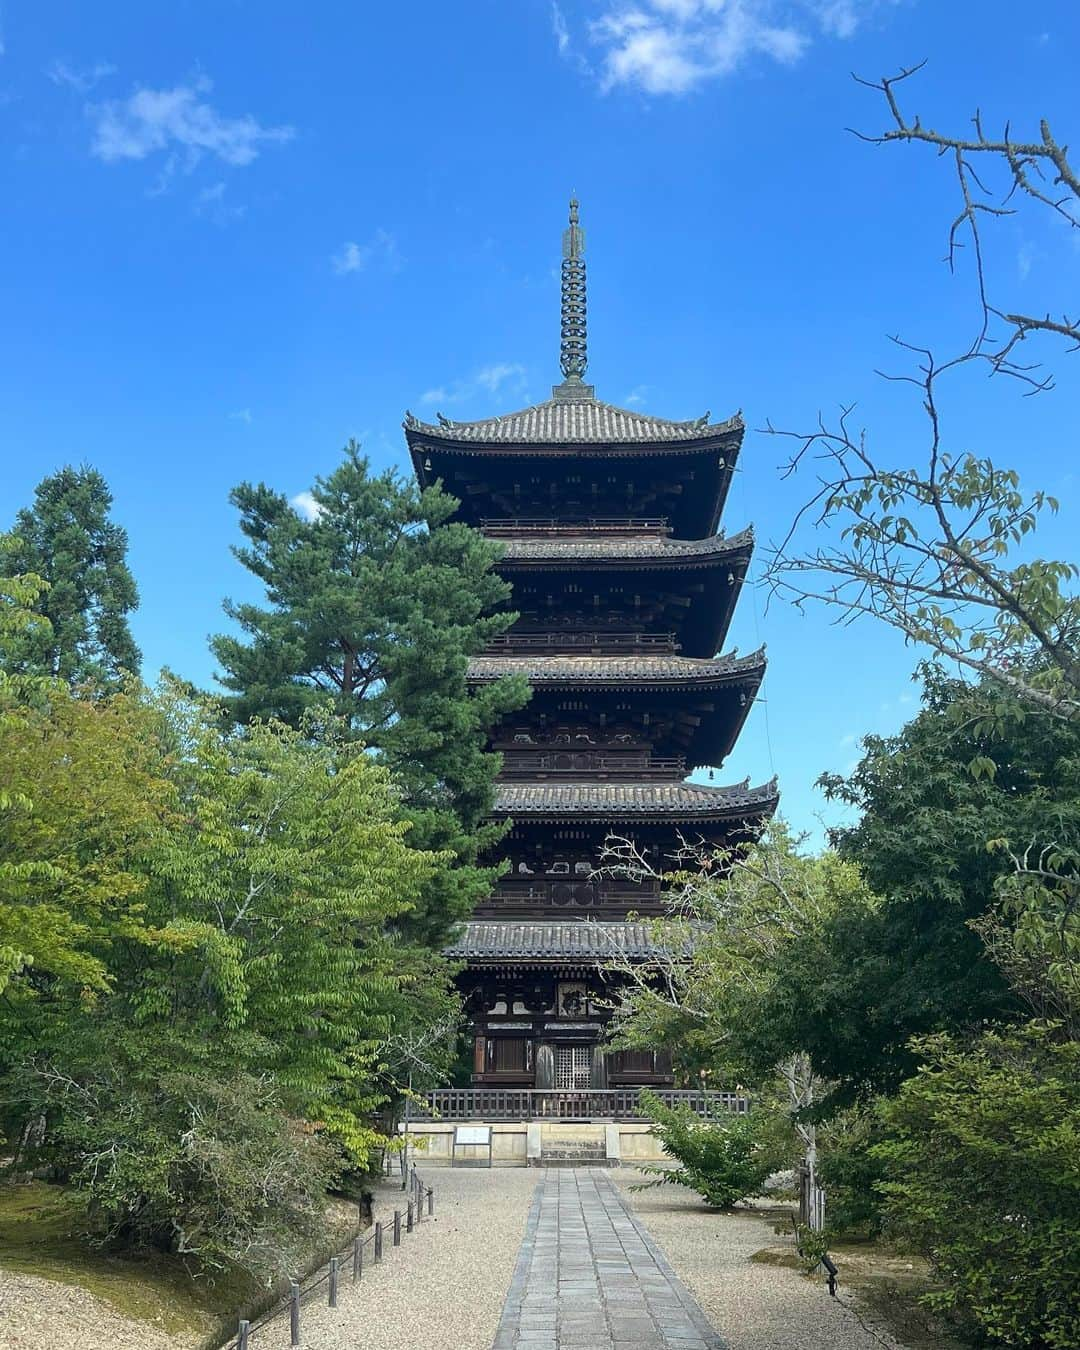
491 1103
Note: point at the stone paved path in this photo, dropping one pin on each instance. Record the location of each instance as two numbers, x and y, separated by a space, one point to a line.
589 1277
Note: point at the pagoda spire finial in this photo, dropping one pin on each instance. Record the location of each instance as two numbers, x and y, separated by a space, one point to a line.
573 356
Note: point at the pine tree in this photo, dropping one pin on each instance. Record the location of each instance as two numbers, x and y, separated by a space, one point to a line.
376 605
67 539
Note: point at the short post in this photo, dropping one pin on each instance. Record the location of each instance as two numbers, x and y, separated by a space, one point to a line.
333 1281
357 1258
243 1334
409 1217
430 1200
397 1227
294 1312
378 1241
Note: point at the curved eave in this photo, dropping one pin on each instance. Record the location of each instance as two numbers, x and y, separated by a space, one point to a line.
569 426
740 805
587 555
422 442
613 672
584 941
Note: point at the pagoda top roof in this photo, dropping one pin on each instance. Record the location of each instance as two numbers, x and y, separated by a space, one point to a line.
648 548
635 801
580 939
651 669
571 420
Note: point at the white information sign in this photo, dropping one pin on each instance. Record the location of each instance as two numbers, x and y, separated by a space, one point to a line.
472 1134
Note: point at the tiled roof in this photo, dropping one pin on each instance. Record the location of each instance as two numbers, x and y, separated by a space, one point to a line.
574 421
652 547
579 940
621 800
664 669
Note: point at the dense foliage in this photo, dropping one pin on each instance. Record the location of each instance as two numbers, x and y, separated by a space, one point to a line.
375 605
983 1160
724 1161
199 913
211 985
971 781
67 539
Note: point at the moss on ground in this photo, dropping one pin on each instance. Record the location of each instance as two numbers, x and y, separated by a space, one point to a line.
41 1233
886 1287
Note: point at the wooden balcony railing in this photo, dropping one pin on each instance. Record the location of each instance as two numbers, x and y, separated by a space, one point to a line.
630 762
569 892
570 640
513 525
579 1104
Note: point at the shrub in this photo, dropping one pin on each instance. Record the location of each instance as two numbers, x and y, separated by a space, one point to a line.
983 1159
214 1170
724 1161
851 1171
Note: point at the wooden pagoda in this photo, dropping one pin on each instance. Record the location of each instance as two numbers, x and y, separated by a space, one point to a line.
625 587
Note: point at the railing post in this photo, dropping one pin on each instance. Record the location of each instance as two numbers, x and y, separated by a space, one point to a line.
243 1334
397 1227
294 1312
378 1241
333 1281
357 1258
409 1217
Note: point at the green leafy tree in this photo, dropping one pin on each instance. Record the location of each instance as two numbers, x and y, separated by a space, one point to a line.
983 1166
725 1161
971 777
67 540
85 797
744 965
198 912
290 878
375 606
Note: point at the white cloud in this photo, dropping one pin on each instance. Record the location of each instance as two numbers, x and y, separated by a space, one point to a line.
840 18
211 203
82 81
178 120
559 28
1025 257
675 46
493 377
353 257
500 376
305 505
564 42
636 395
241 415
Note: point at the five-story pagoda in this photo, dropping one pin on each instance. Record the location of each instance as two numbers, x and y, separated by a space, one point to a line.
625 587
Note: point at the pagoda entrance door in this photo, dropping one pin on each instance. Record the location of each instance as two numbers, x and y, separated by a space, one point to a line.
572 1067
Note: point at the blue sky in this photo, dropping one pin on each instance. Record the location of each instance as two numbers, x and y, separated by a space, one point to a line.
235 235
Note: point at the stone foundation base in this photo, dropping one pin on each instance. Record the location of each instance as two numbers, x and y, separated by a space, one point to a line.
535 1143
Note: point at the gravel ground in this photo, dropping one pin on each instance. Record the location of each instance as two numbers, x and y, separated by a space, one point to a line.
443 1288
36 1313
753 1306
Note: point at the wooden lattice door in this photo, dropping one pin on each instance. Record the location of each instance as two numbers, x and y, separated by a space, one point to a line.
572 1065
